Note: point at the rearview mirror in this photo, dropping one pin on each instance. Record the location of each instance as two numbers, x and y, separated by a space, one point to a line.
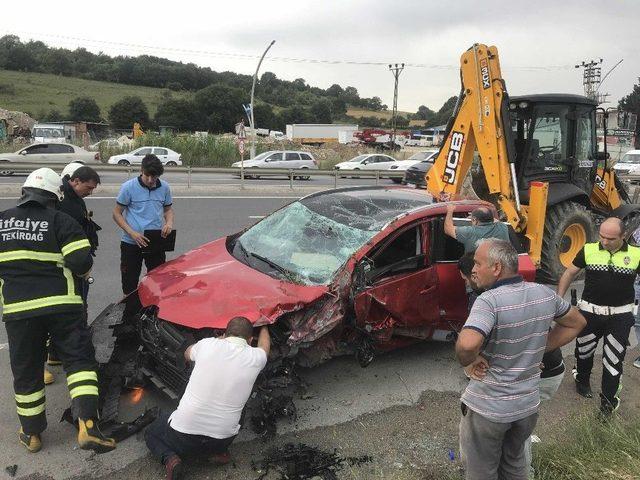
362 273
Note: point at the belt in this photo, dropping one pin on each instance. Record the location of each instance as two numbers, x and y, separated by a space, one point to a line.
603 309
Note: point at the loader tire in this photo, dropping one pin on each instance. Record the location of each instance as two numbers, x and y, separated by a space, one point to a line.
568 226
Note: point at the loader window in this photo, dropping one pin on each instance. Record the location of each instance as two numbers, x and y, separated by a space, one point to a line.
585 141
547 153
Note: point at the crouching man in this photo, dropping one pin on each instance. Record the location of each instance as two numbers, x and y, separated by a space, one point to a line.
207 418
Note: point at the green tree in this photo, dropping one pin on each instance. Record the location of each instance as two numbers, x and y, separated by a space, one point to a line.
265 117
181 114
53 116
296 114
321 111
222 106
84 109
631 103
424 113
128 110
445 112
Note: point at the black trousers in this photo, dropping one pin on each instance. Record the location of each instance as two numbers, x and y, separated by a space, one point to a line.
615 331
27 351
84 294
163 441
131 257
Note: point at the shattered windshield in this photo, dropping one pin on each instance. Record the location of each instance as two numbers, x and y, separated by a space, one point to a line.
308 241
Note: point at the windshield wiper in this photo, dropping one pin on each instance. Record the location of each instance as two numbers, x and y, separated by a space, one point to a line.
287 273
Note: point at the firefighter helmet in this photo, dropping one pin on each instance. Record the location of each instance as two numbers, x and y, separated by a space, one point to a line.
71 168
45 179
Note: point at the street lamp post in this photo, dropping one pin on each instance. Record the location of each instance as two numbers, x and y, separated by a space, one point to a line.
253 88
396 70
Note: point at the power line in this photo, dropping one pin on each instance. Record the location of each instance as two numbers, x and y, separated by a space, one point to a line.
243 56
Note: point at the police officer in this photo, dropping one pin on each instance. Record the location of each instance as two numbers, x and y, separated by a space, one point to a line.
607 303
43 252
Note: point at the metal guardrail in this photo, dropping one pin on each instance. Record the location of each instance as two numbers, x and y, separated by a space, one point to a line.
291 174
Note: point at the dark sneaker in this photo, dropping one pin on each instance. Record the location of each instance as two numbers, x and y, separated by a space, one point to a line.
584 389
30 442
173 467
91 438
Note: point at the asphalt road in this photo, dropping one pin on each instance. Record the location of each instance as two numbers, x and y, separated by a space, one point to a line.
175 179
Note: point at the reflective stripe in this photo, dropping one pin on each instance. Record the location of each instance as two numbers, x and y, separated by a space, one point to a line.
608 366
80 376
588 347
73 246
31 397
41 303
587 355
614 343
612 357
71 286
15 255
586 338
83 390
30 412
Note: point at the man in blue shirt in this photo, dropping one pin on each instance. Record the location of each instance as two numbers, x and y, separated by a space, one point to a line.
144 203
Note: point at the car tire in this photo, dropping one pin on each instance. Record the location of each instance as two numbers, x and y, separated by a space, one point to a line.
396 180
171 164
355 176
5 173
304 177
124 163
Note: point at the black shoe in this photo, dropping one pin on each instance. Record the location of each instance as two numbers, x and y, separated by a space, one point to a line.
173 467
584 389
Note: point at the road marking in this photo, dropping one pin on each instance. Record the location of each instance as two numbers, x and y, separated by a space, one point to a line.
260 217
195 197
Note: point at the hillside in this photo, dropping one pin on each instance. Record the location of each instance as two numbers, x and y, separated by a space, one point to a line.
36 93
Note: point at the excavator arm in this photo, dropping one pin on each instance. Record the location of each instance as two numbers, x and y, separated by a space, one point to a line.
480 123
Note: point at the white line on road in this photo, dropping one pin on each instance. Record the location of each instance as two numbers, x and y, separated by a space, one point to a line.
260 217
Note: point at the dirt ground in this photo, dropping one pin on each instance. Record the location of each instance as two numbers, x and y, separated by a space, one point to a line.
412 442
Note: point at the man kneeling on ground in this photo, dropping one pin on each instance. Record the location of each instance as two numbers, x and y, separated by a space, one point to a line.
207 418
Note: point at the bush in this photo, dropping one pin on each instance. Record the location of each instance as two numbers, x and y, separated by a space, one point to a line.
84 109
124 113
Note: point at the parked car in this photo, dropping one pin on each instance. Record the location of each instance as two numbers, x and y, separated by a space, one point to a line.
288 159
403 165
357 270
370 161
415 174
167 157
62 153
629 163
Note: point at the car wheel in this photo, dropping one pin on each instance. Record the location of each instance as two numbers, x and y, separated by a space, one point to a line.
124 163
5 173
396 180
171 164
355 176
304 177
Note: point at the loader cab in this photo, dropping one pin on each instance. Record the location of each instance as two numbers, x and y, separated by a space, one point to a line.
554 136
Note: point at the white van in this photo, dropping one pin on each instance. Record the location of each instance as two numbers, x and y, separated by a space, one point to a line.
629 163
48 133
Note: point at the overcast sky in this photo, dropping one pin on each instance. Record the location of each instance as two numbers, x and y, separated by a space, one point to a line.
539 41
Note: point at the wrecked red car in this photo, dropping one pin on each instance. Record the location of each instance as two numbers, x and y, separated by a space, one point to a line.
349 271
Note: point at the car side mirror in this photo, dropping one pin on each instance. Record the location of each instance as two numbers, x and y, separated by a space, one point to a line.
23 152
603 156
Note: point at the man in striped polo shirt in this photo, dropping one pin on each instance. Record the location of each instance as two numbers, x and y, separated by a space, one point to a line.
501 346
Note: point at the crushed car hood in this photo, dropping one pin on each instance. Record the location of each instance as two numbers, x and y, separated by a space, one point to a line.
207 287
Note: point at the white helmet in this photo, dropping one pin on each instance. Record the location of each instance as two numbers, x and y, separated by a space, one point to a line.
45 179
71 168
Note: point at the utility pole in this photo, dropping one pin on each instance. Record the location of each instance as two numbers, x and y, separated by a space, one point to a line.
253 88
396 70
591 79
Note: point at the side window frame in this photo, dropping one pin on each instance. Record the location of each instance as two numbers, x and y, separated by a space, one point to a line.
379 274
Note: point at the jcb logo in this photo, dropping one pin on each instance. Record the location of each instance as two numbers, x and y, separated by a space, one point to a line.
484 72
601 183
453 158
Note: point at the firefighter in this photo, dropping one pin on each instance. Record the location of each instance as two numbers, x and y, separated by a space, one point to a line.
43 255
607 303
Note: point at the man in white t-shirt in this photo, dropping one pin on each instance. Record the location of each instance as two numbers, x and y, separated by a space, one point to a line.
207 418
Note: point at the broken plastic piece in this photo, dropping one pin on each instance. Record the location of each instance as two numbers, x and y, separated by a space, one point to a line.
11 470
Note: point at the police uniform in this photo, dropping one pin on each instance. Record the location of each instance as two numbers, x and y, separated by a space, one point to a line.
607 303
42 253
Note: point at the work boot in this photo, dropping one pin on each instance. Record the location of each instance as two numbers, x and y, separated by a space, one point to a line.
49 378
584 389
173 467
52 361
91 438
30 442
220 458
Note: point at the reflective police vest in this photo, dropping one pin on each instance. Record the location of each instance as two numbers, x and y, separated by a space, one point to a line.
621 262
42 251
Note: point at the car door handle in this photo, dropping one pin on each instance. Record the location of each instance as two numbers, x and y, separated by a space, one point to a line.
428 289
